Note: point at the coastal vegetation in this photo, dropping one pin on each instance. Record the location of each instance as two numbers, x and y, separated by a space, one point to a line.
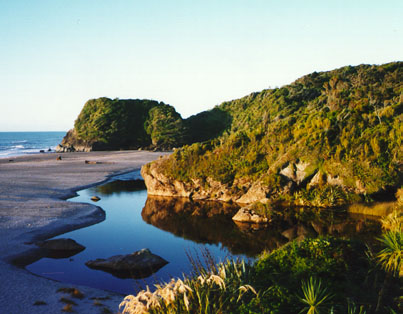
315 275
327 139
324 140
110 124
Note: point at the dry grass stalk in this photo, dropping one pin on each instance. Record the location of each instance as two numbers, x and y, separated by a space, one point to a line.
393 222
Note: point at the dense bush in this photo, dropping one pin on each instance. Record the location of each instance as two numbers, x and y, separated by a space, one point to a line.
317 275
165 127
346 124
115 122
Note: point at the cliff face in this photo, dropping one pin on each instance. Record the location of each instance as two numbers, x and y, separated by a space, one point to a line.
158 183
72 143
245 192
327 139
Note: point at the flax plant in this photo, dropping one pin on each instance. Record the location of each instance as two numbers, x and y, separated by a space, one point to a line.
315 296
390 258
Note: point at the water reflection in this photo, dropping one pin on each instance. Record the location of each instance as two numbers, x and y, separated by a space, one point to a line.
172 227
120 186
206 222
211 222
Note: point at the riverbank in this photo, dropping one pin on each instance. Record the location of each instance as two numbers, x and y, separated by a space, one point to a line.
33 189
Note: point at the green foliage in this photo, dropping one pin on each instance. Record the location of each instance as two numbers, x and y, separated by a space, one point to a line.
315 296
207 124
390 257
348 121
165 127
116 123
323 196
336 276
127 124
341 264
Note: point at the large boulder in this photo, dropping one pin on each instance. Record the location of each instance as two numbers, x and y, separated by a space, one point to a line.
139 264
246 214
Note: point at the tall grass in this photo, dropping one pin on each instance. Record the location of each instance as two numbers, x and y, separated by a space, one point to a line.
393 221
375 209
216 290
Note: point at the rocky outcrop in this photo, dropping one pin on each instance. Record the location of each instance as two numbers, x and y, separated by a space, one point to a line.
296 172
257 192
158 183
139 264
71 143
247 214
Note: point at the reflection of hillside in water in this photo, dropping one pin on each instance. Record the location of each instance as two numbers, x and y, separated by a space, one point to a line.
120 186
210 222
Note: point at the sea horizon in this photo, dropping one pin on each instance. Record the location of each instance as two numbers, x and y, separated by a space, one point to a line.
20 143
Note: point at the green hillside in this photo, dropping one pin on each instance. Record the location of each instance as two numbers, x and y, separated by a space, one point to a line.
106 124
323 139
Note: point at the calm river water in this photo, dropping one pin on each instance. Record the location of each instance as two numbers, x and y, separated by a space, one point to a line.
174 229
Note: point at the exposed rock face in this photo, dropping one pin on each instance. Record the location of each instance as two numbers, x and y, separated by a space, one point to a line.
246 214
294 176
139 264
296 172
71 143
159 184
257 192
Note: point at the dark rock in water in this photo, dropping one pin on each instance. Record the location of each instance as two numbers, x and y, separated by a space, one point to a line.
95 198
61 245
60 248
140 264
42 151
49 150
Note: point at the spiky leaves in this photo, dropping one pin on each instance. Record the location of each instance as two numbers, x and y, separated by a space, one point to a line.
315 296
390 258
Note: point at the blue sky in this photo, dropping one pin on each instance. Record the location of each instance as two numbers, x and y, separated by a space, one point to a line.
57 54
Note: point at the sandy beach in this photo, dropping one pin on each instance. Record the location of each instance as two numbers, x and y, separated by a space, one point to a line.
33 189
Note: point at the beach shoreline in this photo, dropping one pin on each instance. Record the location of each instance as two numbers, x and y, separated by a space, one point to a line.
33 207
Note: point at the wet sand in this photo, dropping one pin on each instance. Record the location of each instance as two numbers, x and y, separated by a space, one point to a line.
33 189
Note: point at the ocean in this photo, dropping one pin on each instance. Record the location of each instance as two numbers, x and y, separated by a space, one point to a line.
22 143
